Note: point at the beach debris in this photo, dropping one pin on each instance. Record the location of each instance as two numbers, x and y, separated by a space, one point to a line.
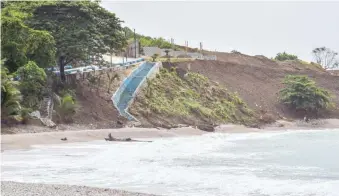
281 125
206 127
64 139
110 138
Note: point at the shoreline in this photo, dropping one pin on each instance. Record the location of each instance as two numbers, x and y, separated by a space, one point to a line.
10 188
27 140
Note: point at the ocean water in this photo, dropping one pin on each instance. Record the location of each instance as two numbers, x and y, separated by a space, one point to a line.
289 163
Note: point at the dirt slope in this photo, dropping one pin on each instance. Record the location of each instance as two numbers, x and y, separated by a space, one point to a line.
258 79
191 99
95 108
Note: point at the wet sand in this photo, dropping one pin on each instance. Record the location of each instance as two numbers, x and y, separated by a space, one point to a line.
26 140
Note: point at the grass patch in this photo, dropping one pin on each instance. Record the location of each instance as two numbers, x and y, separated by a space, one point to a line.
191 97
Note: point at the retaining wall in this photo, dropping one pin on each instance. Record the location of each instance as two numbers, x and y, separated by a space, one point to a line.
130 87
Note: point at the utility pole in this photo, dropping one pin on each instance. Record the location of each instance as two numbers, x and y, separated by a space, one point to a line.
126 49
172 42
186 46
135 45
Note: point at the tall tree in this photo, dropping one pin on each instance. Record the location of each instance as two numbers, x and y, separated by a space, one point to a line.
21 43
32 84
80 29
10 95
325 57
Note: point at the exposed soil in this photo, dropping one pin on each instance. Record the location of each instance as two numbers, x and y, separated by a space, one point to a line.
258 80
95 107
190 99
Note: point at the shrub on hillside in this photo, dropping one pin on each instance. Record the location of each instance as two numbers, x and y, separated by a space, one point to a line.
192 98
32 84
302 93
67 108
285 56
235 52
154 57
10 95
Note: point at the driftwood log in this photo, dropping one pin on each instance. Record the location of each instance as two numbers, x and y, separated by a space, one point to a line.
110 138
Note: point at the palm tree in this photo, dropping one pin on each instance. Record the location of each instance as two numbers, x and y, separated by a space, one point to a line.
10 95
154 57
167 55
166 51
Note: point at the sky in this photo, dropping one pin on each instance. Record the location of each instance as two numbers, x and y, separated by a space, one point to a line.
254 28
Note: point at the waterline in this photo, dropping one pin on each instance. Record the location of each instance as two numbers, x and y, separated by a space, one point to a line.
268 163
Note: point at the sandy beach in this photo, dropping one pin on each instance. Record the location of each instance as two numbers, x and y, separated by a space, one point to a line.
26 140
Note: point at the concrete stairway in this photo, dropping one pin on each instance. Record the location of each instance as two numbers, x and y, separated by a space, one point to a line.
128 88
46 109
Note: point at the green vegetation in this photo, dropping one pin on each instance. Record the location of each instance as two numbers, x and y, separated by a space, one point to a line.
302 93
285 56
154 57
40 34
65 31
66 108
10 96
21 43
235 52
159 42
149 41
193 96
32 84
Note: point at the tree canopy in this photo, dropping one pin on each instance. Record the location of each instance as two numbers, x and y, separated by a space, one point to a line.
32 83
10 95
147 40
80 28
20 43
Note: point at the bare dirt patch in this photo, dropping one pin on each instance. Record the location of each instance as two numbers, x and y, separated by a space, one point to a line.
258 80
